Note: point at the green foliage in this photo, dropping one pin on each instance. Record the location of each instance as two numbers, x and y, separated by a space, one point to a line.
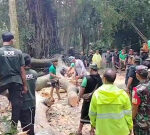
6 127
4 18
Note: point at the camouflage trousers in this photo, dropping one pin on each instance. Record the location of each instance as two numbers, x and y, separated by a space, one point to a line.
139 131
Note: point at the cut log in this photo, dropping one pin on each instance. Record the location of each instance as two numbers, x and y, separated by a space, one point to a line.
72 92
42 82
42 126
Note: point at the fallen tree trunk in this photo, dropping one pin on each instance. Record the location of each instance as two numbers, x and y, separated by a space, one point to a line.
42 82
41 63
72 92
42 126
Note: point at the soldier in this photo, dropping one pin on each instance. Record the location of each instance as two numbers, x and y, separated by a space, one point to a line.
140 101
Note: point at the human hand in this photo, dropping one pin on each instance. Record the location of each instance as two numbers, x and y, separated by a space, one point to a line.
25 90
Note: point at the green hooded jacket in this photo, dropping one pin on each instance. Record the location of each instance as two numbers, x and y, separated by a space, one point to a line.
110 111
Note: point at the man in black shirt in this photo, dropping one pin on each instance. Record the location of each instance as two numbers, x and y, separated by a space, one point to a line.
116 59
84 59
132 81
12 75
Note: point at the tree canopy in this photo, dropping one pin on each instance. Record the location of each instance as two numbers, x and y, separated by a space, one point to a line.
50 26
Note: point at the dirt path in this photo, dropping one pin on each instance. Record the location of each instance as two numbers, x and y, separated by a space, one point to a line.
65 119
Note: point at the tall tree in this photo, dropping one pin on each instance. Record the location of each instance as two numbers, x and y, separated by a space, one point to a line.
43 15
14 21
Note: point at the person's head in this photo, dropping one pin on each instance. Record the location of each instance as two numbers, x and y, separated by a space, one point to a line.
109 76
141 72
97 51
108 51
55 62
8 38
93 68
136 60
144 43
82 53
27 60
131 52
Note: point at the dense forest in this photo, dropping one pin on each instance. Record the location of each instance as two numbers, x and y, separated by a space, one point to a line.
45 27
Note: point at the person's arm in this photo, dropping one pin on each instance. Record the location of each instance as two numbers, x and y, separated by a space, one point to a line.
128 112
53 75
134 110
136 101
82 68
83 85
130 80
23 72
93 111
81 93
23 76
132 75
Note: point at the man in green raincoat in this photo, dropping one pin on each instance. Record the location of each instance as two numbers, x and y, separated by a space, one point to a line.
110 108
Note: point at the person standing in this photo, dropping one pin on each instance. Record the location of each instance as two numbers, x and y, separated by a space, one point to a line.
54 79
108 58
97 59
79 68
110 108
12 75
129 64
116 59
131 80
89 84
27 114
123 57
84 59
90 56
144 52
140 102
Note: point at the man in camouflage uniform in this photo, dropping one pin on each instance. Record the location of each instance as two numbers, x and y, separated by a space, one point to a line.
141 102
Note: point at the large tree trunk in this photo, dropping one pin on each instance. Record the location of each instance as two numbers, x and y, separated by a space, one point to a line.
14 21
72 92
44 17
41 63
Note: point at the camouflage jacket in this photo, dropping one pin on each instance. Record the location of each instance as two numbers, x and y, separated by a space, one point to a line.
141 97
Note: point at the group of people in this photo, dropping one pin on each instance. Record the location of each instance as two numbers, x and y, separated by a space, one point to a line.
109 109
114 111
119 59
19 79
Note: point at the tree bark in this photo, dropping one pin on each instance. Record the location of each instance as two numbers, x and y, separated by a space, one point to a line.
42 82
44 17
72 91
41 63
14 21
